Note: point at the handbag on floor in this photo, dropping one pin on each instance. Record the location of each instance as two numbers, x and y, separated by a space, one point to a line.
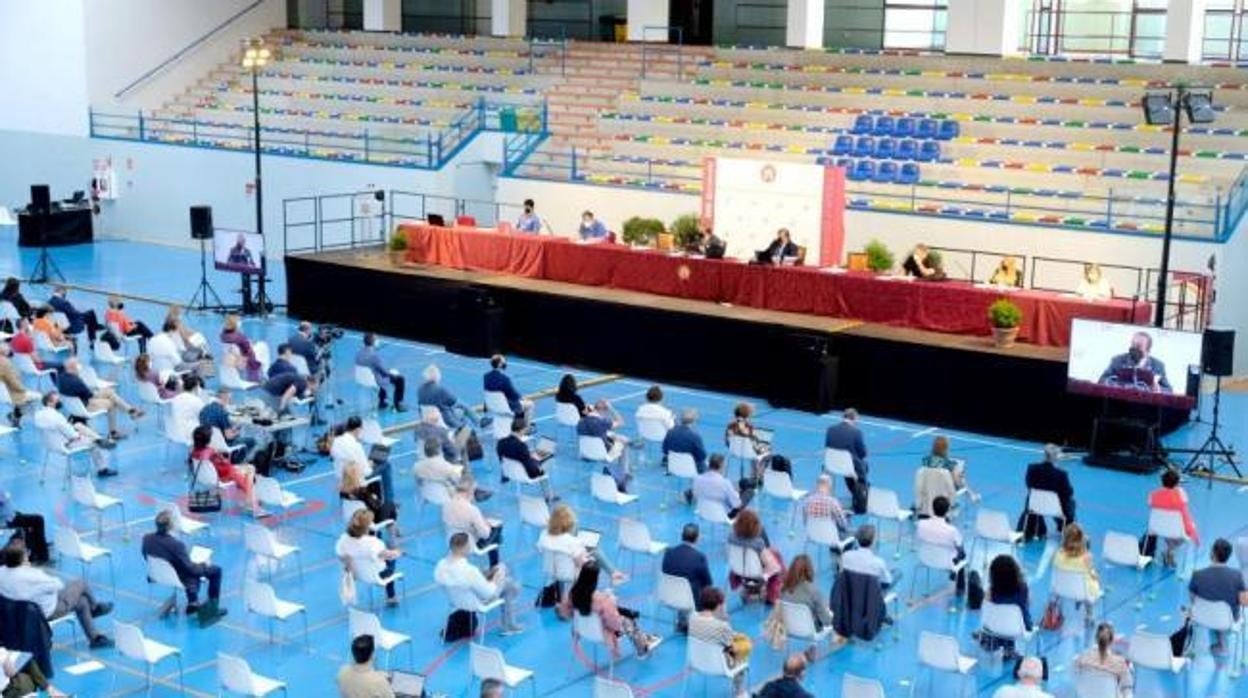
1053 617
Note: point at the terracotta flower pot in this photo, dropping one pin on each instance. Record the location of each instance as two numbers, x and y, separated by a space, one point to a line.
1003 337
398 257
665 242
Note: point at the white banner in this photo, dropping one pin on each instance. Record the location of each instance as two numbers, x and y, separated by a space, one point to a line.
755 198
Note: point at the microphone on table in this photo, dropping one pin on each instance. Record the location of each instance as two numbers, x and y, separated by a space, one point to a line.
546 224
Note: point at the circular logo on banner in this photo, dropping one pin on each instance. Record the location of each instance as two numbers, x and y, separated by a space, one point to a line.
767 174
683 272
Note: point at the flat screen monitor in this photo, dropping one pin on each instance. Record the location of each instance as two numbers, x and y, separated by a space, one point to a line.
236 251
1135 363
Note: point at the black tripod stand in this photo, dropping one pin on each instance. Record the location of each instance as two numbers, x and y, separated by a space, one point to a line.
199 300
1214 449
45 269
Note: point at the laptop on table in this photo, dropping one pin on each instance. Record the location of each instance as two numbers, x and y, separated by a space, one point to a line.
407 685
543 450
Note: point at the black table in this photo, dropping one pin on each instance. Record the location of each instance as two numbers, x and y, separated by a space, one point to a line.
69 225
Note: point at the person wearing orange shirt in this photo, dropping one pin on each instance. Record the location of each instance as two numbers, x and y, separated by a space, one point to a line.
1171 497
116 316
43 323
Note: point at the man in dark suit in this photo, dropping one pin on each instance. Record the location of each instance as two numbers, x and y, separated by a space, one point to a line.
846 436
683 438
1149 373
164 546
779 249
1047 476
687 562
513 447
301 344
497 381
79 320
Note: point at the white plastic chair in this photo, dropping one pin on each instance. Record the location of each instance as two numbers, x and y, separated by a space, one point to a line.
366 379
161 573
75 408
432 412
365 623
1123 549
105 355
24 399
182 523
463 598
709 660
935 557
534 512
261 351
839 462
433 492
44 344
1005 621
592 448
1153 651
488 663
741 450
54 444
83 492
992 527
150 395
1072 586
1218 616
514 471
558 567
713 513
609 688
371 434
270 493
779 485
603 488
1045 503
683 467
941 653
261 600
746 564
588 630
496 404
301 365
799 622
236 676
822 531
635 538
675 593
26 366
69 545
131 643
230 378
123 339
92 379
858 687
1094 683
883 505
1168 525
652 432
566 418
262 542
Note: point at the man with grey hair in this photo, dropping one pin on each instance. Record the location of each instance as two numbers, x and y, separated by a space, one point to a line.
1030 675
846 436
1047 476
683 438
433 394
162 545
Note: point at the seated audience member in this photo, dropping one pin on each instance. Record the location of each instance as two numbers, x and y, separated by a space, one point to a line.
789 683
30 528
284 385
116 316
429 429
354 488
434 467
368 357
748 532
185 407
1074 556
513 447
1007 273
167 354
561 536
432 393
25 679
863 560
529 222
12 380
586 600
742 427
1030 675
301 344
365 555
799 588
601 423
822 504
939 458
1094 286
215 414
360 679
496 380
455 570
1220 582
166 386
22 343
43 324
930 483
1007 586
591 228
688 563
48 418
779 249
164 546
713 486
568 394
19 581
919 265
654 410
192 344
710 624
1172 497
71 384
1047 476
242 475
683 438
232 335
12 293
847 436
347 448
461 513
1104 659
936 530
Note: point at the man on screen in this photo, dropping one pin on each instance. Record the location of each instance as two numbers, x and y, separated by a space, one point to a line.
240 256
1137 369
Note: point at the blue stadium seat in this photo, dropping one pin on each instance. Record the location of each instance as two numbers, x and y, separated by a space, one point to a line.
909 173
883 126
864 147
927 129
948 130
863 170
847 163
863 125
886 173
885 148
929 151
904 127
843 145
907 149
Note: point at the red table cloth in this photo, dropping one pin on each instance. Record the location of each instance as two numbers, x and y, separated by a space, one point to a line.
951 306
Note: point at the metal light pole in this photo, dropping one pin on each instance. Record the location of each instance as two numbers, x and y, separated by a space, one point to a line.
255 57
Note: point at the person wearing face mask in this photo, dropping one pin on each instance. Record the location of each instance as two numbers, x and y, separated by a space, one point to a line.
591 228
529 222
1137 368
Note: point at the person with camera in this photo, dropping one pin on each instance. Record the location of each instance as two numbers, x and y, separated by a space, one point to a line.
302 344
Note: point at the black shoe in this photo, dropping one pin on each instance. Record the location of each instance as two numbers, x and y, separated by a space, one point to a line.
399 407
105 472
689 497
481 495
383 404
100 642
106 444
210 613
101 609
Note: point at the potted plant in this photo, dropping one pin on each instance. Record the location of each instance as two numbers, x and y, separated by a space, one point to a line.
1005 317
935 260
641 231
397 247
879 257
687 231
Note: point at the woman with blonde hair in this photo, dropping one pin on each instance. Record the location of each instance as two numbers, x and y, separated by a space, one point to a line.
1074 556
1103 658
364 555
561 536
748 532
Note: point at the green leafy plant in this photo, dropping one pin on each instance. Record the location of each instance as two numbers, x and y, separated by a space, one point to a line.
934 260
686 230
641 231
398 241
1004 315
879 257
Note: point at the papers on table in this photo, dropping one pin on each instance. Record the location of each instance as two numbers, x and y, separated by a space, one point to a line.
83 668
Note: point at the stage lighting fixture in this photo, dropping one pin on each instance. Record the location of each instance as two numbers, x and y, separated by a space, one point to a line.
1200 107
1158 109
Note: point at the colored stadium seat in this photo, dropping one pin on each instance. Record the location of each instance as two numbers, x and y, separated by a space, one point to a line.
863 125
863 171
885 148
907 149
929 151
843 145
883 126
909 173
904 128
847 163
886 172
948 130
927 129
865 147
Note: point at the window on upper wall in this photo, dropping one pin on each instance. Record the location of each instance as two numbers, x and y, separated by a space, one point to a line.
1224 31
1101 27
915 24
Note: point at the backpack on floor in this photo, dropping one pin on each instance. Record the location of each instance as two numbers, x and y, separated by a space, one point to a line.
460 625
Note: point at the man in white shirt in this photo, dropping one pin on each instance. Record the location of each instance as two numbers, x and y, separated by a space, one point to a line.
347 448
434 467
1030 681
21 582
48 418
863 560
461 513
164 349
653 409
936 530
455 571
185 407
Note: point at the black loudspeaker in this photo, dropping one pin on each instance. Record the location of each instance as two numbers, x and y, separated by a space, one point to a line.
201 222
40 198
1219 351
479 326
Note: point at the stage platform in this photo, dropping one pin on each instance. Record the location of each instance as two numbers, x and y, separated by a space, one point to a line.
792 360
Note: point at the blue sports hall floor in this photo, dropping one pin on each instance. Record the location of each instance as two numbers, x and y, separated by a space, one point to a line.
1107 500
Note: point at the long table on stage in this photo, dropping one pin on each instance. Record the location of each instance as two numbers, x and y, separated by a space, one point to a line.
951 306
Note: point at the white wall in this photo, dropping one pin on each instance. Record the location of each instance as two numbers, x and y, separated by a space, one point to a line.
123 43
43 76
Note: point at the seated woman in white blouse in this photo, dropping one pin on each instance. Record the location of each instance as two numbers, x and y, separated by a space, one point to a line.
1094 287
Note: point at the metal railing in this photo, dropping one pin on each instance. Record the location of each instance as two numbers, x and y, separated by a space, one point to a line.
542 48
663 47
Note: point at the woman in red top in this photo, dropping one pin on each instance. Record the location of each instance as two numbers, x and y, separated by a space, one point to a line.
116 316
1171 497
242 475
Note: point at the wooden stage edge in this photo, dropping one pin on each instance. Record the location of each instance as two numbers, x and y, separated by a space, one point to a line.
379 260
